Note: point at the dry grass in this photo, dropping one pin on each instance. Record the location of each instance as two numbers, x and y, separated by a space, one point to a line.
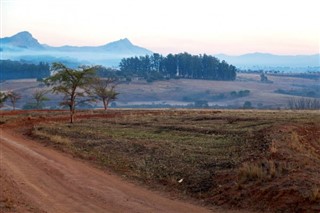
273 147
264 170
315 193
175 90
295 142
56 139
251 171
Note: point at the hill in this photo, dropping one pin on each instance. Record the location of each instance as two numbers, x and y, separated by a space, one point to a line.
23 46
266 61
22 40
184 92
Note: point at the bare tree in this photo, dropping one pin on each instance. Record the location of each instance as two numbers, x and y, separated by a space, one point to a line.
13 98
3 98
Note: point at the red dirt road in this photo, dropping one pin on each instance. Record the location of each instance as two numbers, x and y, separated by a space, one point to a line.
39 179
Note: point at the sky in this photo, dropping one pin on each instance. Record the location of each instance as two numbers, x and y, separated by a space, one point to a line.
234 27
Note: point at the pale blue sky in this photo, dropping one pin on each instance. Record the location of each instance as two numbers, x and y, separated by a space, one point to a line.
196 26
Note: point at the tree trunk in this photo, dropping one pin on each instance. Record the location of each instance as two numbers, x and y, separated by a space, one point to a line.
104 104
71 117
14 106
72 111
107 104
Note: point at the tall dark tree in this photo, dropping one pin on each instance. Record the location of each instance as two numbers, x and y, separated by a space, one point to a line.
171 65
156 62
20 69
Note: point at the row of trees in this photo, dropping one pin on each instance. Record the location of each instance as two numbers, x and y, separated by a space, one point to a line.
38 97
153 67
304 103
183 65
19 69
80 85
76 85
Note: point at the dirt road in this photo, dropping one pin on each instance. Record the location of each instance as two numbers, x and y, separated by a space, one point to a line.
45 180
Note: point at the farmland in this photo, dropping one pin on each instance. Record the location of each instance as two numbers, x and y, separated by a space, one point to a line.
182 92
253 160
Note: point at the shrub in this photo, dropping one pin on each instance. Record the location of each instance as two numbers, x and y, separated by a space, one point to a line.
315 193
247 105
263 170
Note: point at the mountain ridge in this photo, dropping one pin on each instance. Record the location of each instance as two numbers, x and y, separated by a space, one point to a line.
23 46
25 40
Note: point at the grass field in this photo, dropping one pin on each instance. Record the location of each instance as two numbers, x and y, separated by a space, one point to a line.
257 160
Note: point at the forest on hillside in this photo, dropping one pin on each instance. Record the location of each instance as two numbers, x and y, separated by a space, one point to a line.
182 65
20 70
150 67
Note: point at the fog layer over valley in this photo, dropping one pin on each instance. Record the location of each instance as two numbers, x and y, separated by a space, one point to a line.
23 46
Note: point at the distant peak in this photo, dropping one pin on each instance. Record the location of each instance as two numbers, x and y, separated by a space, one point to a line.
125 40
23 34
120 43
22 39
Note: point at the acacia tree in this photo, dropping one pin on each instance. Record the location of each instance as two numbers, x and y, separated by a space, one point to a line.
13 98
105 90
40 96
74 84
3 98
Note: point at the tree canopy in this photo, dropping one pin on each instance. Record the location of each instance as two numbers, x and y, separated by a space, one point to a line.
183 65
19 69
74 84
105 90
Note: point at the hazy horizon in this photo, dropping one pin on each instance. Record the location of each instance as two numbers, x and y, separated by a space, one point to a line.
214 27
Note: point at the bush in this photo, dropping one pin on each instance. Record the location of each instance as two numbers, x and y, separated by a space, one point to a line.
241 93
201 104
247 105
244 93
153 76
